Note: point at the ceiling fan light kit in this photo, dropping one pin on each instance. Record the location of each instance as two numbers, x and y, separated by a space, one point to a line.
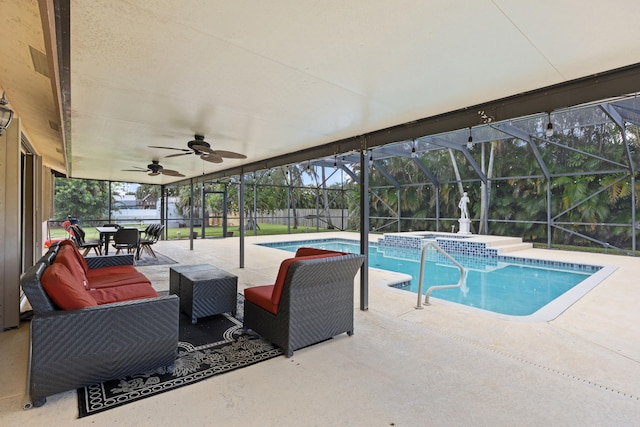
199 145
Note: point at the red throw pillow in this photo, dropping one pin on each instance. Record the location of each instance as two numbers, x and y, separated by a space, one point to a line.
67 257
64 290
76 252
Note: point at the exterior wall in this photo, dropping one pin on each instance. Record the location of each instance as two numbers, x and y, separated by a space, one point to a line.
10 239
21 232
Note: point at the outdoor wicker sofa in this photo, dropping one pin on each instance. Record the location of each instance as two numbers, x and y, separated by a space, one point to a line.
129 330
311 300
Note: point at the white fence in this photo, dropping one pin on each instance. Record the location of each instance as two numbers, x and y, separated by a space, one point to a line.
149 216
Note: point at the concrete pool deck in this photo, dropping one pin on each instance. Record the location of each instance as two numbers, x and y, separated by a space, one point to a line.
443 365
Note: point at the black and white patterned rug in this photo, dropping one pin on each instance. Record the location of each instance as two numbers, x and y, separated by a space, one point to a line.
213 346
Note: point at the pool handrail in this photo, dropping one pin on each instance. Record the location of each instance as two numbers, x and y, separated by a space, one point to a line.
463 274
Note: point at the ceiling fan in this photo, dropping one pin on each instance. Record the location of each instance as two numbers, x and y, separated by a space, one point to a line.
202 148
155 169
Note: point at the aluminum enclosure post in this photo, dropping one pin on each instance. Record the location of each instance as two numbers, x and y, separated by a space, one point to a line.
364 229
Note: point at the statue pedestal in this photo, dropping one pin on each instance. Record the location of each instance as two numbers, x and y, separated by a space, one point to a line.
465 225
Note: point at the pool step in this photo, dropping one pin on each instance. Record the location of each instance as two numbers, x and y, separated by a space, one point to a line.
508 244
513 248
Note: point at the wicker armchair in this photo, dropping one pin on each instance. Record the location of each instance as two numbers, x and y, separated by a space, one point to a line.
74 348
315 304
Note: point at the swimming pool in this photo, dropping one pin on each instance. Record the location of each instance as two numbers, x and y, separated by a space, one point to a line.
505 285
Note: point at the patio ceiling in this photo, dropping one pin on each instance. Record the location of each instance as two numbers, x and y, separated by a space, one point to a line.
270 78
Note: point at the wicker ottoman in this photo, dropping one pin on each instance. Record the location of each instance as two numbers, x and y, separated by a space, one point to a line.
204 290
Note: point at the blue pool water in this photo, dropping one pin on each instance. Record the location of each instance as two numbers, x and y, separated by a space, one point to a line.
506 285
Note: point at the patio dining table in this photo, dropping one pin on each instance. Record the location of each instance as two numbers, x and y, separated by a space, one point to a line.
105 236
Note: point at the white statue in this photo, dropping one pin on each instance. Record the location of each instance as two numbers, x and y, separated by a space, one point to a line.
464 211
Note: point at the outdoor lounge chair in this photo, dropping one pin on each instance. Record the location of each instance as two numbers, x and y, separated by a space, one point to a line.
311 300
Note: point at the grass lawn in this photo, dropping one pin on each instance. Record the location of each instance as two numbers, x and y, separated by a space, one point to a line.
263 230
272 229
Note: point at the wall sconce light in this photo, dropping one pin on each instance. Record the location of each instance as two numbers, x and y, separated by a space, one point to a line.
6 114
335 162
549 131
371 155
413 151
470 140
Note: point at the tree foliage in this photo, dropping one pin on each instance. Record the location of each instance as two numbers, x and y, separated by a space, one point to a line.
586 191
80 198
151 191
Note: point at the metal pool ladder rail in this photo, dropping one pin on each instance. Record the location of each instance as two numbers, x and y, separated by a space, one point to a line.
463 274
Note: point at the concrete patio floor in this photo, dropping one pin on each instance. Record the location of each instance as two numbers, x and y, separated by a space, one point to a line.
444 365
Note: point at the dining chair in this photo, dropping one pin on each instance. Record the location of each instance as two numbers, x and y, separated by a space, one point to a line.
126 239
79 235
152 235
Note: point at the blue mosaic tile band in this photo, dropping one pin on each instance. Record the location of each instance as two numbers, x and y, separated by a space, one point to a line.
450 243
410 247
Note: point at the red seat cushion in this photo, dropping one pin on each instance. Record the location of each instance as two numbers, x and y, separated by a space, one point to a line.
115 276
261 296
123 293
110 271
64 289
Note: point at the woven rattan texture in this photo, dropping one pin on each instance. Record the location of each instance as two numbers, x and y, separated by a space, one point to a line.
81 347
316 304
73 348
